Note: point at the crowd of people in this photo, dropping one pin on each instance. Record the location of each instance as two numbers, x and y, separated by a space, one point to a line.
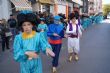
35 32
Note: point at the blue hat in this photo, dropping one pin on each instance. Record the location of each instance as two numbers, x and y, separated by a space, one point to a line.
25 11
42 19
57 17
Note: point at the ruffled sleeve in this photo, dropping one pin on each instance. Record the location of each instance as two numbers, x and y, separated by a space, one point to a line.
44 43
19 54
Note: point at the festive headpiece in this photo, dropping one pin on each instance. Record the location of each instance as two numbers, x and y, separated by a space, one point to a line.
26 16
57 17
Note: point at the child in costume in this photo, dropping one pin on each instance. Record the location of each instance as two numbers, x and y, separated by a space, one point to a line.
85 21
73 32
55 34
42 27
28 44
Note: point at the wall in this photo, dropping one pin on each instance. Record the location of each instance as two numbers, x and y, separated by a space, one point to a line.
5 12
85 6
35 7
62 9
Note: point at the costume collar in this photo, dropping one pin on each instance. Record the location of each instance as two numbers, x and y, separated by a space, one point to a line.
28 36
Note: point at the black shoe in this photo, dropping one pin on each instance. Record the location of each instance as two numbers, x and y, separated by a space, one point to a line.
3 50
8 48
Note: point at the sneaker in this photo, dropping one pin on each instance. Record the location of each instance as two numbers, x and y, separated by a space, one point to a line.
70 58
76 58
54 70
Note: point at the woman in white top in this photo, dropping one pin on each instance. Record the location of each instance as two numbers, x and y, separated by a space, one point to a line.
73 32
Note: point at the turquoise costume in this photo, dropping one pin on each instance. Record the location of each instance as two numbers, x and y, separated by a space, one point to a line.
85 23
42 26
45 28
98 18
35 43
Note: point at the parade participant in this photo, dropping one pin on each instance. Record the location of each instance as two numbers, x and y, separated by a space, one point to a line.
55 33
42 27
28 44
85 21
74 32
12 23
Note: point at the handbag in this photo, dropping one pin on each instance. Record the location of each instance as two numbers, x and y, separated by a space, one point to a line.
7 34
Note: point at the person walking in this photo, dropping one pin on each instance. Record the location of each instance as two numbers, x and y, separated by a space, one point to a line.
42 27
28 44
55 34
73 32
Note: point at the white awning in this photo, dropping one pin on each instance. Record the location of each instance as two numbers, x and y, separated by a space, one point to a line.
21 5
78 2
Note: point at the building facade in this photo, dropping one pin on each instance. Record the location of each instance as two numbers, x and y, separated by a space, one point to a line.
8 7
42 5
97 6
63 6
5 12
92 6
85 6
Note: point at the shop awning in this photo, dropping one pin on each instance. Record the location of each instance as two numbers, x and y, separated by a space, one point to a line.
21 5
78 2
47 1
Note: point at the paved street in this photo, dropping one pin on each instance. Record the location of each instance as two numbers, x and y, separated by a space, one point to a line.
94 55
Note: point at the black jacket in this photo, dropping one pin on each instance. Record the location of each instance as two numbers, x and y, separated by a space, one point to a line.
3 29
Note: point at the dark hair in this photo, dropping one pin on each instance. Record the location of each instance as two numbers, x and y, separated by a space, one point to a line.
42 19
11 14
76 13
29 17
72 16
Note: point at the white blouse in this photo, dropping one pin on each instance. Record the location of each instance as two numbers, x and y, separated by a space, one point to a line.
74 30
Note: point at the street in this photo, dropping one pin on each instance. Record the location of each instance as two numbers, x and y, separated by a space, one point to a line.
94 55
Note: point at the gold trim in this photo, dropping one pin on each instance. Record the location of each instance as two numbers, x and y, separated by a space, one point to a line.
47 1
28 36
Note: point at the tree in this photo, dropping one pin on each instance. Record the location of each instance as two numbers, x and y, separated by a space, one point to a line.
106 9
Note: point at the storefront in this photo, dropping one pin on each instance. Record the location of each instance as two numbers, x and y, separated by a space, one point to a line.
18 5
43 5
61 7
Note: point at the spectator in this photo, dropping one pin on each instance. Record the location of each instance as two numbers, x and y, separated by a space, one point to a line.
5 34
12 23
